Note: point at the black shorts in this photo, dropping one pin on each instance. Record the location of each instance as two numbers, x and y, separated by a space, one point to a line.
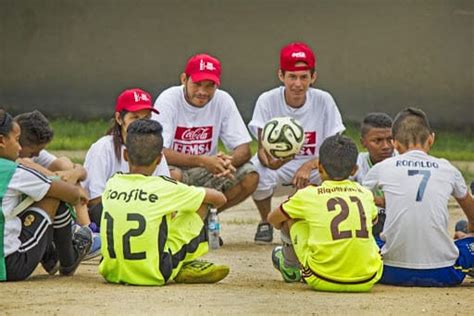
95 213
36 234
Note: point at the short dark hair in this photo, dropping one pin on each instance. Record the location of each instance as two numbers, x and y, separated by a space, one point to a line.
411 127
35 128
144 142
6 122
116 131
338 155
375 120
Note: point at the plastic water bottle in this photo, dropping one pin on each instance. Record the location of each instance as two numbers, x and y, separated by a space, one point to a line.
214 229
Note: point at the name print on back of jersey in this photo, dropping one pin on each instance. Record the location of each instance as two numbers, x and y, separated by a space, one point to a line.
135 195
193 140
417 163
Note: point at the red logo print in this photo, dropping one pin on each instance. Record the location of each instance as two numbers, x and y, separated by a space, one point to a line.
193 140
309 146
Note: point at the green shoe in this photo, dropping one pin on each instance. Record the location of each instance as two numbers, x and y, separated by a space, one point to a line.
289 274
198 271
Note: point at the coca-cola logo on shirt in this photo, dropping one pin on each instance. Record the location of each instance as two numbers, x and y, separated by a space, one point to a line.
193 140
309 146
193 133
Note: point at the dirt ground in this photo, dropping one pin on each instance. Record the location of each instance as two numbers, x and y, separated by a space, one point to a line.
252 287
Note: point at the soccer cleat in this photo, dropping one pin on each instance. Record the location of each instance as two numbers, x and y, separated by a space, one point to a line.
264 234
82 242
50 260
95 247
289 274
198 271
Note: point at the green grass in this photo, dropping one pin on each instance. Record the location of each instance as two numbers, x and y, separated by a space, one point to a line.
74 135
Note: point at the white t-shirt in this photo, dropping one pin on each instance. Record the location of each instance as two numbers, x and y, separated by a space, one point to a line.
417 188
25 181
319 117
191 130
364 164
44 158
101 164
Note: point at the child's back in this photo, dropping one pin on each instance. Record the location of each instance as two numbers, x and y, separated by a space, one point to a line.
418 250
417 188
136 220
327 230
339 218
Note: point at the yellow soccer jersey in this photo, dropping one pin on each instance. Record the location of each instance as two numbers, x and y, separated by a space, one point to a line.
340 246
134 225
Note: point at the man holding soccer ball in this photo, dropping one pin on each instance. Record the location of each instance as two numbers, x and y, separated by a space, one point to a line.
314 109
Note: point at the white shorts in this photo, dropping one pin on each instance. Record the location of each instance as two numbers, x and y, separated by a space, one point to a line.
270 179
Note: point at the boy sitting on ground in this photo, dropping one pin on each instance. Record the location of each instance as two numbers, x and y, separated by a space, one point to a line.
376 137
418 250
36 134
28 230
327 230
143 244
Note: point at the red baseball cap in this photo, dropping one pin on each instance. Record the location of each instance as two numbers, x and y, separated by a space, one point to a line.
134 100
204 67
294 53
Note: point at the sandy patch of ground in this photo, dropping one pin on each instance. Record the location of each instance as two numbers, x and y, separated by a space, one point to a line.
252 287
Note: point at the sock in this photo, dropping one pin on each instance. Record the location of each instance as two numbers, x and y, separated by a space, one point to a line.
62 236
288 251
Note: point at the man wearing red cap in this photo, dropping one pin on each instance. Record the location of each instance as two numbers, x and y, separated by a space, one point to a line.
315 109
195 116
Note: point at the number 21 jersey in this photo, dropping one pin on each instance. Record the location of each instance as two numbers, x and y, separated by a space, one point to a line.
340 242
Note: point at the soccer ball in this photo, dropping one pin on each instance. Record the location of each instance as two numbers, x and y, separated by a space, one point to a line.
282 137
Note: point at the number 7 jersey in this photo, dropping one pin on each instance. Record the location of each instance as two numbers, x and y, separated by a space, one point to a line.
340 242
417 188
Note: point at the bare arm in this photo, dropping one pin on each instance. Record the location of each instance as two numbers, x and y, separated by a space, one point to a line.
467 205
61 163
74 175
277 218
27 162
214 197
67 192
303 174
214 164
241 155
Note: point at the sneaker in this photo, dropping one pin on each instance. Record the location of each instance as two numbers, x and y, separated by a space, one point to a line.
50 260
82 242
198 271
289 274
264 234
95 247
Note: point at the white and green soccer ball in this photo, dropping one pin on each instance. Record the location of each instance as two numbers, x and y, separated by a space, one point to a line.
282 137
